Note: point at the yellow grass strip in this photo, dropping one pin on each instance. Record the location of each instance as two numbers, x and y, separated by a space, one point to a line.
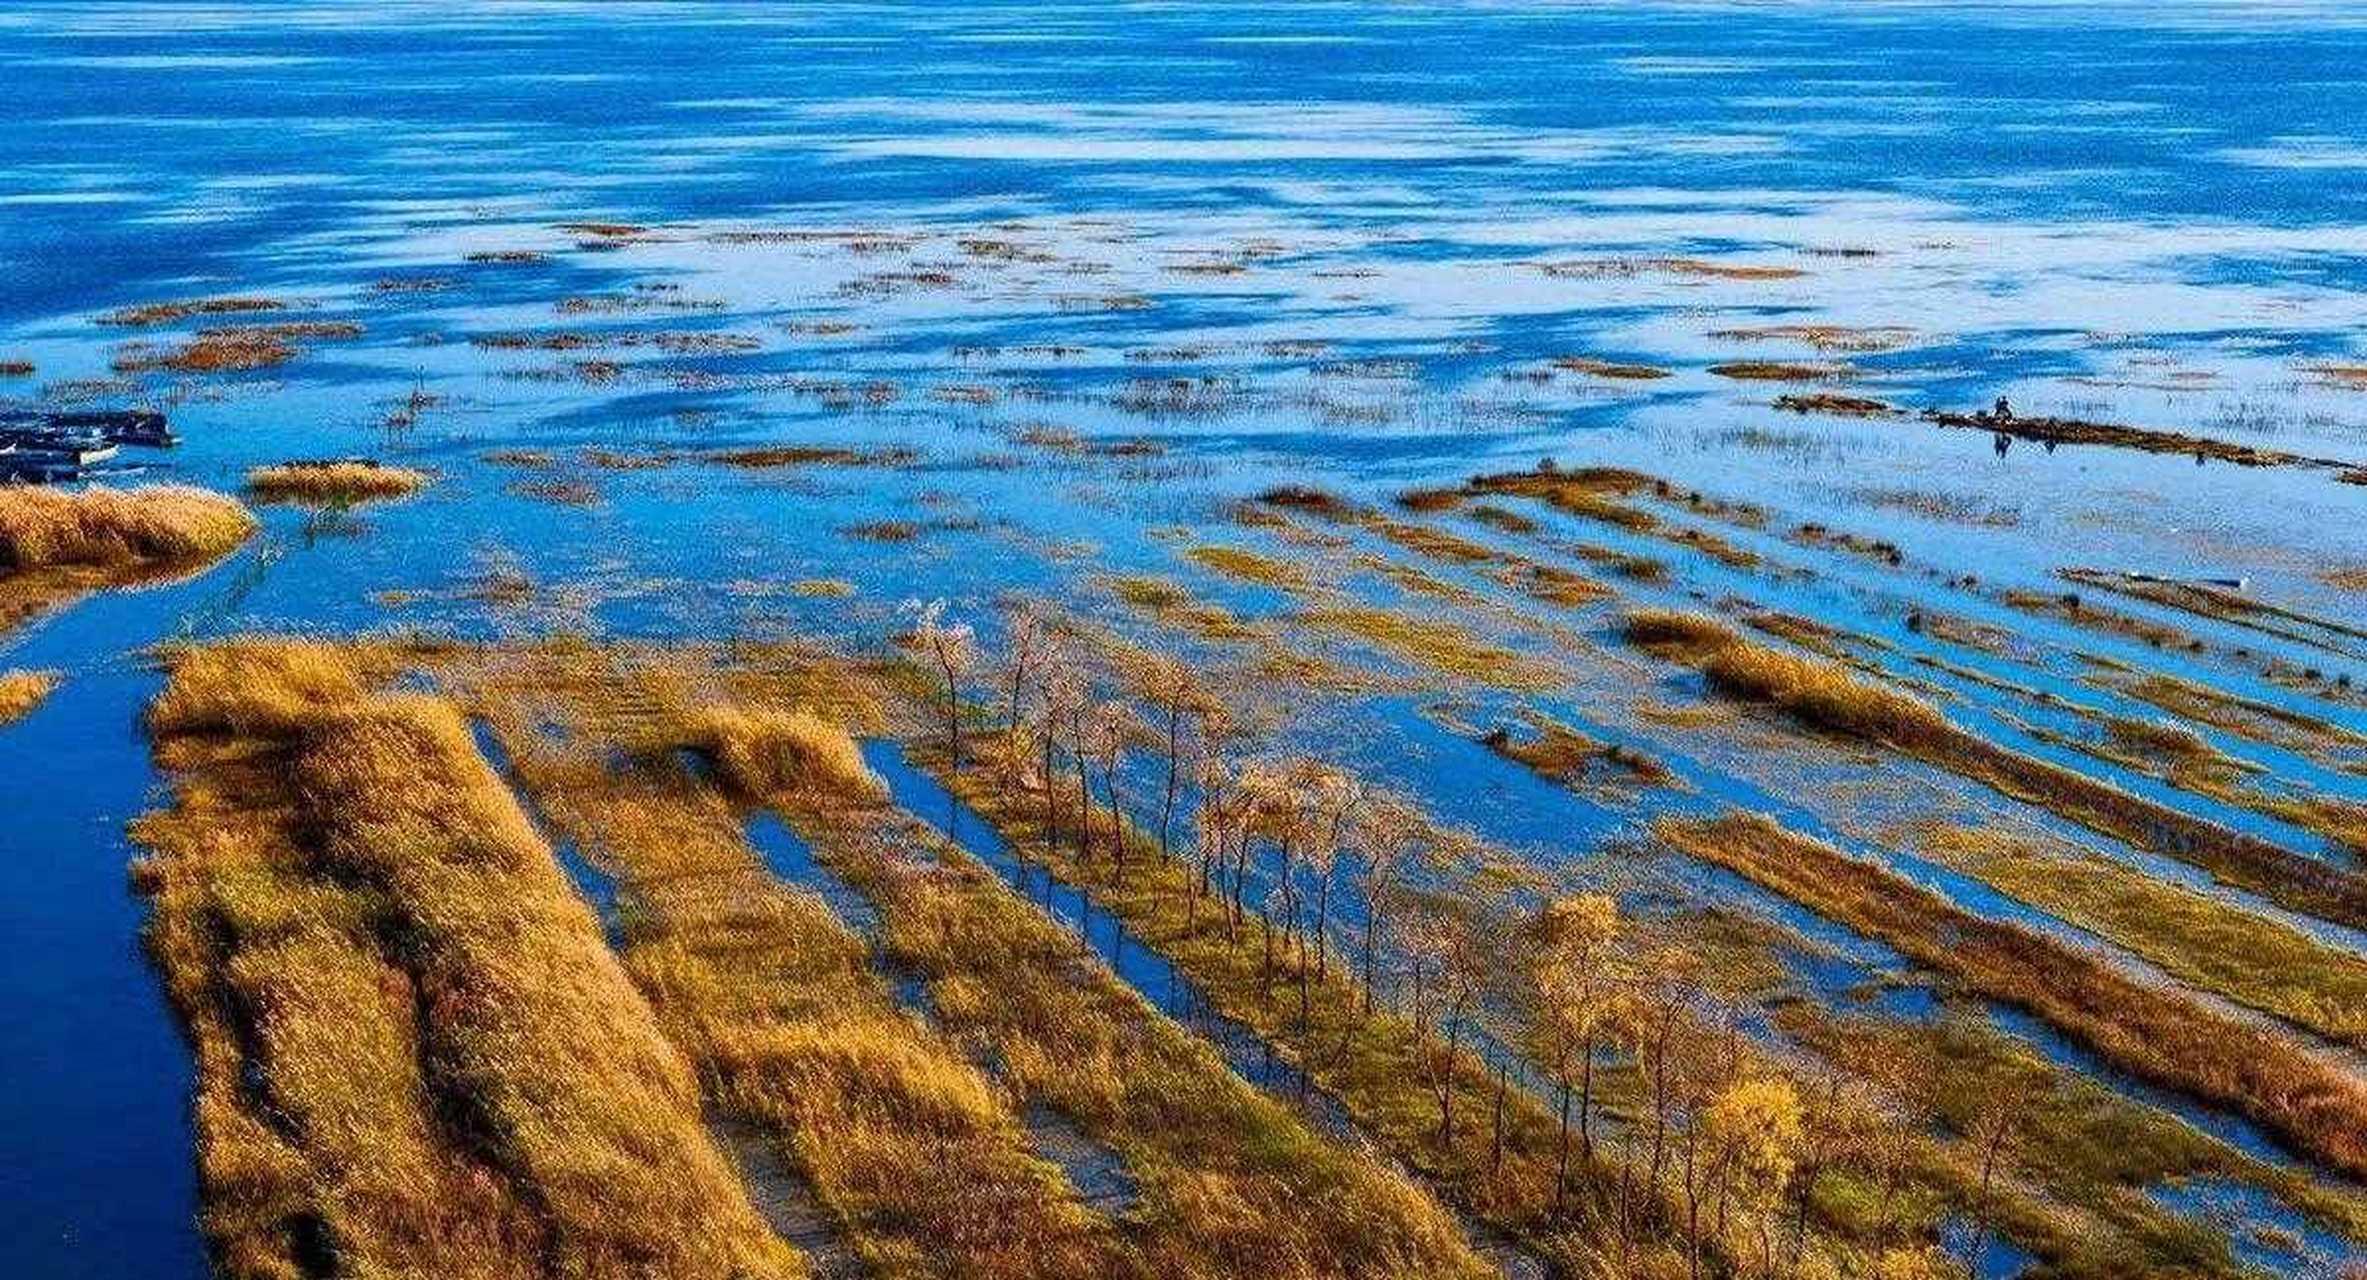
2152 1033
1825 695
415 1053
2192 936
21 691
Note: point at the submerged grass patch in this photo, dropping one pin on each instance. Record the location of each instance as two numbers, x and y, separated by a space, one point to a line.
2148 1031
1827 696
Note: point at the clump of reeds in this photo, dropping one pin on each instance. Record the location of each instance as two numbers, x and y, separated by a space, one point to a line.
1663 628
767 752
117 528
166 312
21 691
337 482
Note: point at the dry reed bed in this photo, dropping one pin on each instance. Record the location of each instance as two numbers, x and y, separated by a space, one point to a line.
917 1157
57 545
415 1053
339 482
1826 696
21 691
2154 1034
101 528
1596 493
1233 1183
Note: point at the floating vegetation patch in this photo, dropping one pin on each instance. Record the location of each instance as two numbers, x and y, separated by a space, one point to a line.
334 482
1595 368
156 313
1823 337
1834 403
1781 371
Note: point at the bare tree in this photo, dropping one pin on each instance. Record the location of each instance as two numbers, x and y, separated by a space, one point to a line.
1388 830
1175 691
1028 645
953 648
1109 730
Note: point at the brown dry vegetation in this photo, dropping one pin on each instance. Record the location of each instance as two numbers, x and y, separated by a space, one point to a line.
1835 403
766 752
338 482
1779 371
155 313
915 1156
1828 696
116 528
2151 1032
21 691
1609 369
1823 337
2147 439
415 1054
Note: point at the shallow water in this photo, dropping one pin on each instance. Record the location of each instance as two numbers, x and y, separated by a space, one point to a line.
1337 218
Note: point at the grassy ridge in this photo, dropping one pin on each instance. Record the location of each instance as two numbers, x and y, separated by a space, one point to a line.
915 1154
1825 695
415 1053
58 545
2142 1029
335 483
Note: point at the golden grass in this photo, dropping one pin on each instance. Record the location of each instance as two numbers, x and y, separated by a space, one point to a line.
915 1155
1825 695
765 752
415 1053
21 691
2148 1031
340 482
117 528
